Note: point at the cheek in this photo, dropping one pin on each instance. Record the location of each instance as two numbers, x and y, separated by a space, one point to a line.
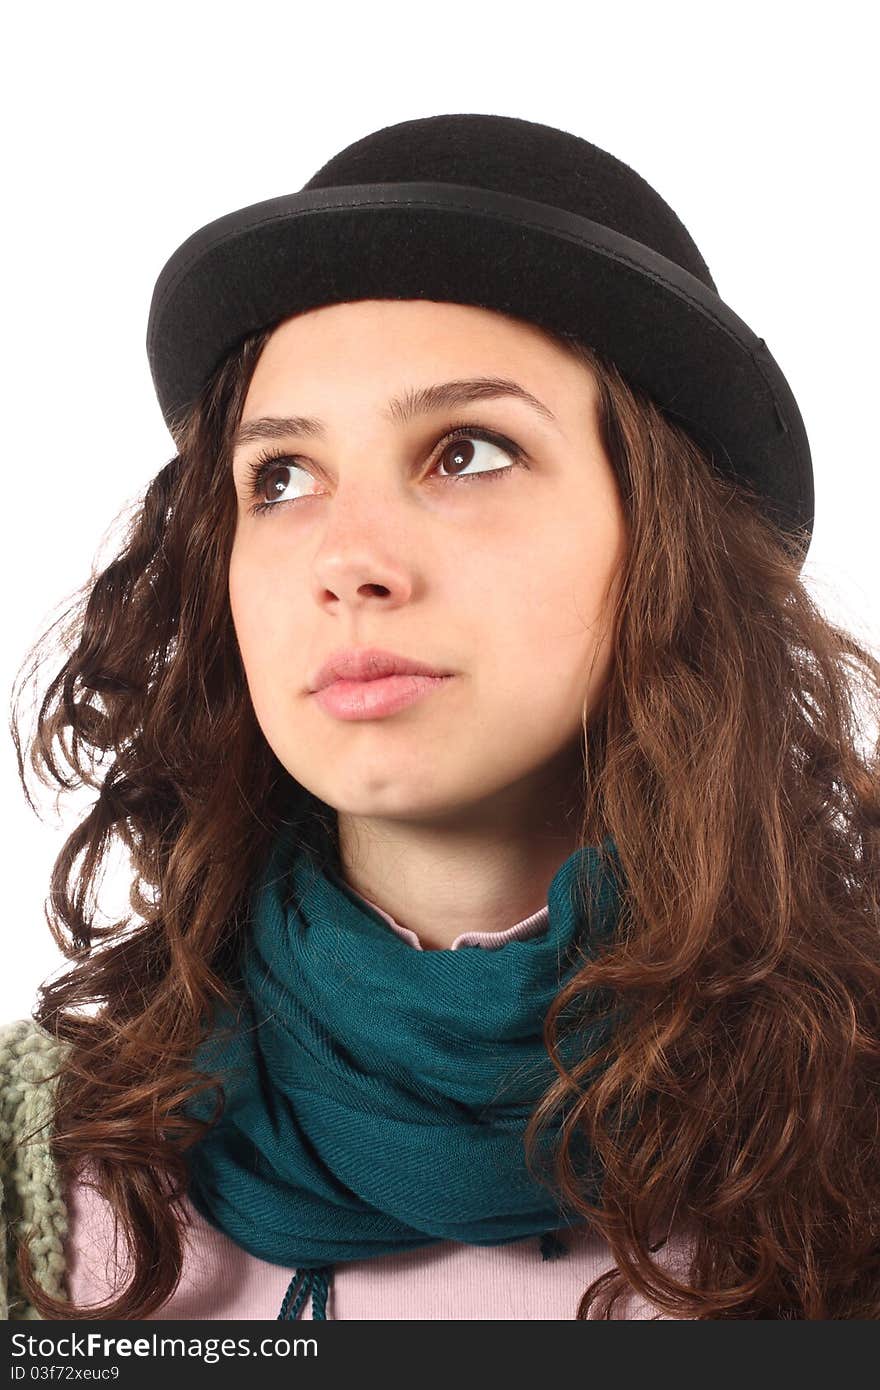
261 615
549 630
243 605
547 608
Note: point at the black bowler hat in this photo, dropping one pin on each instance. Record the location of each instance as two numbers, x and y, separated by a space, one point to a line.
506 214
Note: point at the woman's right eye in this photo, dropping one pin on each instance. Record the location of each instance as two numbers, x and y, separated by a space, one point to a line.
265 463
274 460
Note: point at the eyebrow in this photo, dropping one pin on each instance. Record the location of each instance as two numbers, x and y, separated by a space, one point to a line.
400 410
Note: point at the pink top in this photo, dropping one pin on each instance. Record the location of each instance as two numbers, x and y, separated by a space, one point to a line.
448 1280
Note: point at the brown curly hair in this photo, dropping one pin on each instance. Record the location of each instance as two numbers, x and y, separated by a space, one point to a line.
728 763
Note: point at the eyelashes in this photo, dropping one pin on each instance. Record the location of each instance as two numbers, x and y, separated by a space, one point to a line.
270 458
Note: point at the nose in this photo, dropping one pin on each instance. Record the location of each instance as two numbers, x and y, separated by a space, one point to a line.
356 574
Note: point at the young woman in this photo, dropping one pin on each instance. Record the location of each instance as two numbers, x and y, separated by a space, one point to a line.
504 843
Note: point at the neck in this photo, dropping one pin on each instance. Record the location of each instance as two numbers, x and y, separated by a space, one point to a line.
462 874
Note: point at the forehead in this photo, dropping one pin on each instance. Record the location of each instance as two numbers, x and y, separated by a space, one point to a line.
387 351
408 318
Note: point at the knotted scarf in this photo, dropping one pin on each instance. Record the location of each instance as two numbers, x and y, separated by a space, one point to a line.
376 1095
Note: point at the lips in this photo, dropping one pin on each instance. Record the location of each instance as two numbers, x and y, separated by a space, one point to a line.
369 664
376 699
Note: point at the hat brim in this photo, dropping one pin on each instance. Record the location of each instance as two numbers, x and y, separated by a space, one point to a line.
668 333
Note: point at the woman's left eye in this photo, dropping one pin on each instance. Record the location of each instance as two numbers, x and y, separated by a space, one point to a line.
457 447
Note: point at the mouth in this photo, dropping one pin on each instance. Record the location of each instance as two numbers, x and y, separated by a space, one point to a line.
368 664
376 698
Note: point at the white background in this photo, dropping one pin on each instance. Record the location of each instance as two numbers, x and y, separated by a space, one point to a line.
126 129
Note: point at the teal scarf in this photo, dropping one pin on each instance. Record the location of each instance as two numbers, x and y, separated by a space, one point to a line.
376 1095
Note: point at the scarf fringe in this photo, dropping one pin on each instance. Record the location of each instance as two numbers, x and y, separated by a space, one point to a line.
552 1246
317 1282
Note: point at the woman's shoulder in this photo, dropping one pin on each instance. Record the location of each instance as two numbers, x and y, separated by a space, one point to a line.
22 1044
30 1189
28 1057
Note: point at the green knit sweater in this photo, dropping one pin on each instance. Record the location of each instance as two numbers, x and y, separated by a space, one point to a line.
30 1189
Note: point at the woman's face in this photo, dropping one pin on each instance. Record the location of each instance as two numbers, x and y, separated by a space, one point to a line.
500 577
